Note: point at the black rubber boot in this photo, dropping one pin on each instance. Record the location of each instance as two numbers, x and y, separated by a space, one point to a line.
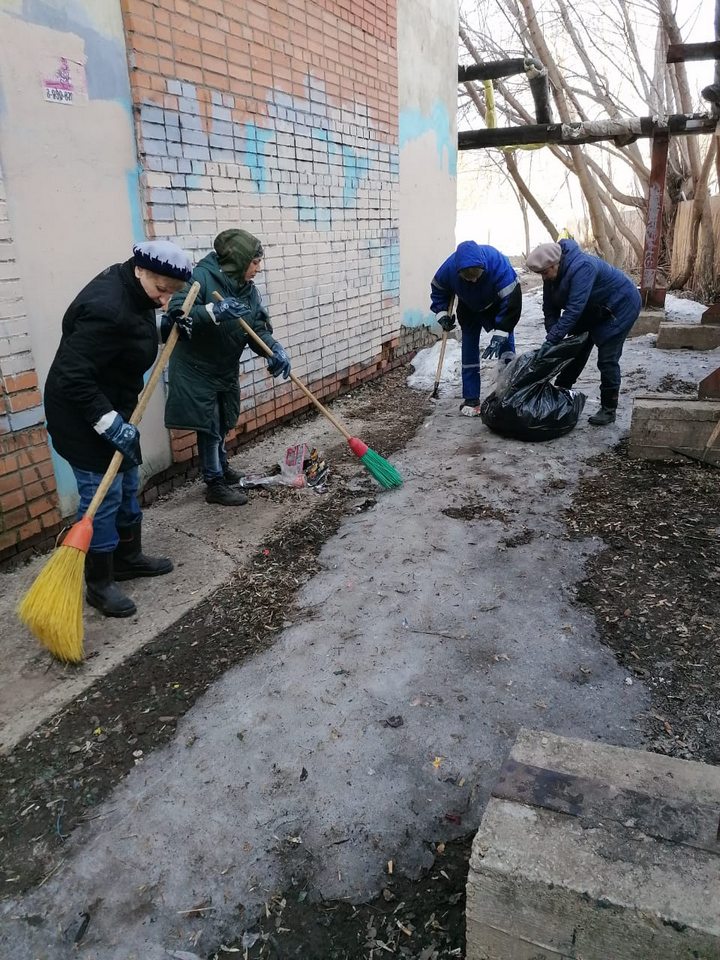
608 409
102 591
219 492
130 562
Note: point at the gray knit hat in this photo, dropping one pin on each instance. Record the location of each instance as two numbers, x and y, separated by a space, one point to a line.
544 256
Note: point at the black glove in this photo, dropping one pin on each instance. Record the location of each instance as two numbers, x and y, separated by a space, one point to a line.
543 350
174 317
496 347
228 309
123 436
446 321
279 363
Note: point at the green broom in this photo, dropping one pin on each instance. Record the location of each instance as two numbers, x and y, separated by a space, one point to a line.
384 472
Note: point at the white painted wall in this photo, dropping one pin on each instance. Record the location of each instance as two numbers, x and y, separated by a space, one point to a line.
427 64
70 172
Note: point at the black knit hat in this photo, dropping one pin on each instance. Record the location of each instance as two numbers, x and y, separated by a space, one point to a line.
164 258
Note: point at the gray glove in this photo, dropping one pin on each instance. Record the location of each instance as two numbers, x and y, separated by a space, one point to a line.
496 348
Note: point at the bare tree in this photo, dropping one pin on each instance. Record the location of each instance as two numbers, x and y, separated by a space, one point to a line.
600 65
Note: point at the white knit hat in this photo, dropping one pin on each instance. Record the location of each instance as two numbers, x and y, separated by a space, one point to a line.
164 258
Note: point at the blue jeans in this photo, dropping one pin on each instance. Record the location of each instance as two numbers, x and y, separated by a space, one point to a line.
120 508
211 449
472 324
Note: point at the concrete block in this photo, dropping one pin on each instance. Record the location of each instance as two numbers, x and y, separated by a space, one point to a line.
648 321
688 336
605 853
673 428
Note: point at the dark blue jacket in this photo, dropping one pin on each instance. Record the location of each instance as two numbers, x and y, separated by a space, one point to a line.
588 295
489 294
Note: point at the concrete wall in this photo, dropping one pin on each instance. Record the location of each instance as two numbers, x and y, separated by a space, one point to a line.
427 55
71 171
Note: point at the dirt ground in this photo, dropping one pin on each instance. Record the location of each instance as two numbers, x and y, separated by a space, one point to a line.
652 588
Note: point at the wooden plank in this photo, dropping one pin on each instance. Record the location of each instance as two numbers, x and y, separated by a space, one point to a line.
695 825
679 52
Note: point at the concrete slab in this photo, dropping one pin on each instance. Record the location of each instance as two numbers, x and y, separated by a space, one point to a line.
688 336
648 321
672 428
560 872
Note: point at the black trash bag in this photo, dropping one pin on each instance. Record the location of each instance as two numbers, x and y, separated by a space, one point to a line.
525 405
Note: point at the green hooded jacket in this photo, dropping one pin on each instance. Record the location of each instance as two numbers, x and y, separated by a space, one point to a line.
205 369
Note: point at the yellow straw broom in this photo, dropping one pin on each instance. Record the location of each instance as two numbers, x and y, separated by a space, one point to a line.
383 471
52 607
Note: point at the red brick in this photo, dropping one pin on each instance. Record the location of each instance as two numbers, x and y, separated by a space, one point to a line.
30 529
24 401
9 481
43 504
20 381
9 501
14 518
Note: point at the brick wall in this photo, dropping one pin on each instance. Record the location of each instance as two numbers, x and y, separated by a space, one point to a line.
28 501
279 116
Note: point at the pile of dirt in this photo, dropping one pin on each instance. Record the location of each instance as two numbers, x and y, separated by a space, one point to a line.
655 589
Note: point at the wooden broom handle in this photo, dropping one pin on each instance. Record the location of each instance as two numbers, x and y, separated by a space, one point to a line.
142 403
298 383
441 358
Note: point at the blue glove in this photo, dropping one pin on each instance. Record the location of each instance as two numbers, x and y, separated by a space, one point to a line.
446 321
496 347
279 363
229 309
175 318
123 436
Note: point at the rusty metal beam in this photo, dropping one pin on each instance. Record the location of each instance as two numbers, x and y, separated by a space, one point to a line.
679 52
574 134
709 387
652 295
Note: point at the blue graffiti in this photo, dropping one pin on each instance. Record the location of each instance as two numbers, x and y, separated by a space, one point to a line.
415 124
258 143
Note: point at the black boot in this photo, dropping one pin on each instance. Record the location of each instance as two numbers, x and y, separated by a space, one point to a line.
608 409
230 476
219 492
129 561
102 591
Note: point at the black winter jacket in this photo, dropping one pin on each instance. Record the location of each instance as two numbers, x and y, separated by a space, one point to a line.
109 339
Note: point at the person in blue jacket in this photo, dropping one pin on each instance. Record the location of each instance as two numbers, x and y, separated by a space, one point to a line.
582 293
488 298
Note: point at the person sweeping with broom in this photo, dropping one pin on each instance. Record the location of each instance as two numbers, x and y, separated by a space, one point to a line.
109 340
488 298
204 380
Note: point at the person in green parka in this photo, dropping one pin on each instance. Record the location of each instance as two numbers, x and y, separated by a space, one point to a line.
204 382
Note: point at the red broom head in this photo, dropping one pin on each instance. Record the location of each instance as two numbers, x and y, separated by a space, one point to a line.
358 447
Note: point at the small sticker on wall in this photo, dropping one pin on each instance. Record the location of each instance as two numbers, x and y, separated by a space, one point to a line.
67 84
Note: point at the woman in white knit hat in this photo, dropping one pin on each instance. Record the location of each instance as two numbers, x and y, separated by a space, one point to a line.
109 340
582 293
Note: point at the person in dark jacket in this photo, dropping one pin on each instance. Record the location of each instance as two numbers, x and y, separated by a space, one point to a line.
204 381
582 293
109 340
488 298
